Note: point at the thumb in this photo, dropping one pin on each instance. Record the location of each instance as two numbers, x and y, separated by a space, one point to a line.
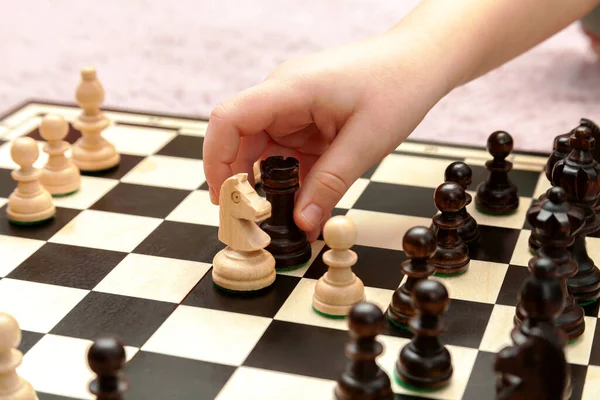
351 153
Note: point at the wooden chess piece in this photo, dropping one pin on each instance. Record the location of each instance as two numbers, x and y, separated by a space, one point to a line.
424 363
452 254
363 378
462 174
498 195
536 369
419 244
244 265
280 182
579 175
541 301
12 386
595 133
257 173
106 358
339 289
29 203
60 175
91 152
555 223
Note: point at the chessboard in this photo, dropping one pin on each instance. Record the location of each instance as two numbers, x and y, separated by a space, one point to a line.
130 253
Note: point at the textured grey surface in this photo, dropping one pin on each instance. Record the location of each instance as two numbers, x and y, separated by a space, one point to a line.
186 56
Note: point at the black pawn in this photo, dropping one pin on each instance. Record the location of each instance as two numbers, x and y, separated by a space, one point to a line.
498 195
419 245
363 378
462 174
452 254
542 300
425 363
106 358
280 182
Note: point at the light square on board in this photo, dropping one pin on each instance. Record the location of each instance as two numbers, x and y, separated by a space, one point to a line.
403 169
208 335
3 130
298 306
591 389
15 250
379 229
91 190
57 365
137 140
106 230
155 278
249 384
513 221
353 193
521 255
166 171
19 116
22 129
464 359
196 208
37 306
481 283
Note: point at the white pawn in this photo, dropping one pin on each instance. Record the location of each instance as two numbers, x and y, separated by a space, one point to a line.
60 175
29 203
12 386
339 289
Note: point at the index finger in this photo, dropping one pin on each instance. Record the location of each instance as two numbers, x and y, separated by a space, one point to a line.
251 112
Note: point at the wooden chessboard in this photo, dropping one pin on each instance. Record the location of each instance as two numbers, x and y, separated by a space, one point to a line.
130 254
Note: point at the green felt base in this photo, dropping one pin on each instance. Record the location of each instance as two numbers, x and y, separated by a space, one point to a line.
587 303
65 194
413 388
440 275
32 223
292 268
328 315
573 341
398 324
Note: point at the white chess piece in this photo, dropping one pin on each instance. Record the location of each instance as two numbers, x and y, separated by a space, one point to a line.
29 203
339 289
12 386
92 152
60 176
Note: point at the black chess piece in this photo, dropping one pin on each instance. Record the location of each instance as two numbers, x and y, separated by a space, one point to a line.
452 254
541 301
363 378
419 244
497 195
280 182
106 358
536 369
595 132
462 174
579 175
424 362
555 223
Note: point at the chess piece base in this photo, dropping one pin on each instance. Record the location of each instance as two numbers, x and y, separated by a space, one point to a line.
497 202
397 318
25 392
414 370
97 158
61 182
240 271
291 250
379 388
336 300
29 210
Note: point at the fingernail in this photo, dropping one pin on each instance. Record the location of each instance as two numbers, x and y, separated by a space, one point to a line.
313 214
212 194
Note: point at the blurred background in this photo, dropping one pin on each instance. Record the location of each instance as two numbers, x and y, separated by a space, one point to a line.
185 56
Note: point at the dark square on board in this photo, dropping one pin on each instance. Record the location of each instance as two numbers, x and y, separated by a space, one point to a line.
595 356
28 340
48 396
143 200
263 303
184 241
127 163
40 232
7 183
71 266
397 199
184 146
512 284
71 137
497 244
300 349
101 313
482 381
376 267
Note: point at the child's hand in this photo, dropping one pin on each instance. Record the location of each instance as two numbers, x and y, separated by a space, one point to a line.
338 112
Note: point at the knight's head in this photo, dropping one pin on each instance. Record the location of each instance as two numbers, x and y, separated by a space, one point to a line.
239 200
